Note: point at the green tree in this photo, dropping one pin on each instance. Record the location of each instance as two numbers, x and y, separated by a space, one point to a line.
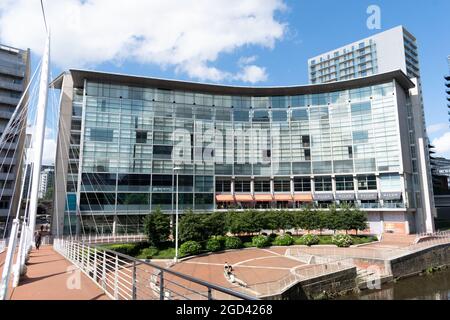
157 227
310 220
358 220
214 224
191 227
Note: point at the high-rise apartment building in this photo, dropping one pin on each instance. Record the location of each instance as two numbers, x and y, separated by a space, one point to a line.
390 50
46 181
122 136
14 77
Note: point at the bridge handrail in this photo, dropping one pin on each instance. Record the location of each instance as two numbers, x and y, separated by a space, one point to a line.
120 277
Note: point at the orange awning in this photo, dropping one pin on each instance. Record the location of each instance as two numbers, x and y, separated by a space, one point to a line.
244 198
263 197
224 198
283 197
303 197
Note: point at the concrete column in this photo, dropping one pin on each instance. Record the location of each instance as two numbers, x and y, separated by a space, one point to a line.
114 228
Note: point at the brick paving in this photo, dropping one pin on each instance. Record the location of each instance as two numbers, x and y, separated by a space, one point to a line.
48 276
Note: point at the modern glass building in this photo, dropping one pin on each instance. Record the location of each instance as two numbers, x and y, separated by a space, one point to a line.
121 136
14 77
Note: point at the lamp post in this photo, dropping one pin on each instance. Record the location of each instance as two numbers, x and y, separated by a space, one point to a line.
176 169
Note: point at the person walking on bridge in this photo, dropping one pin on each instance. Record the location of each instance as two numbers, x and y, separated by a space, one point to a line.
38 239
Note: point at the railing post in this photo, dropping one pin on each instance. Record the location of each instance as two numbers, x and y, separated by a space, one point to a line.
95 264
82 256
104 271
161 285
116 279
88 258
134 289
209 294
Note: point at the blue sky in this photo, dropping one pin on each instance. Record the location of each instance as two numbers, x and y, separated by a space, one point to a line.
243 42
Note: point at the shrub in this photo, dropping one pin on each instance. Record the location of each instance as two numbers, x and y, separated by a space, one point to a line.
233 243
260 241
285 240
213 245
148 253
309 240
129 249
342 240
190 248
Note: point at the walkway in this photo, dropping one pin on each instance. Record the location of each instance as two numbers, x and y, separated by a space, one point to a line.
51 277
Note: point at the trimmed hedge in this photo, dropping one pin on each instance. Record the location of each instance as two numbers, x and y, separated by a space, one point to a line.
342 240
284 240
190 248
148 253
260 241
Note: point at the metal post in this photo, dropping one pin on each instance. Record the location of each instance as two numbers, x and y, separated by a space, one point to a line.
95 264
161 285
116 279
39 135
176 221
209 294
104 271
9 259
134 289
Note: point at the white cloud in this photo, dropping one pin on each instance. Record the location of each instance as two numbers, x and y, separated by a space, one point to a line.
247 60
252 74
48 156
442 145
188 35
437 127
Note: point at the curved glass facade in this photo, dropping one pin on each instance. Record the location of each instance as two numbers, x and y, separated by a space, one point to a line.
231 151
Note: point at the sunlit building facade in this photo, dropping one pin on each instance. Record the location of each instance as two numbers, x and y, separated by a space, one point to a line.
120 138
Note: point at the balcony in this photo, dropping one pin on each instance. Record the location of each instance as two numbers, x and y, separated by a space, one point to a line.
9 100
5 115
11 86
13 72
394 206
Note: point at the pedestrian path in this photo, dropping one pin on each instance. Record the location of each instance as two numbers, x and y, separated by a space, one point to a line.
51 277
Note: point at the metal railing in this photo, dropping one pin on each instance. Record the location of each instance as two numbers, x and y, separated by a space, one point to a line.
125 278
109 238
309 271
3 243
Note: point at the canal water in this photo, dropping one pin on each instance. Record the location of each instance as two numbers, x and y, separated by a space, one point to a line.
435 286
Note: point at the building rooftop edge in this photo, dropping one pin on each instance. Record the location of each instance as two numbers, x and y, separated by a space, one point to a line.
79 76
363 39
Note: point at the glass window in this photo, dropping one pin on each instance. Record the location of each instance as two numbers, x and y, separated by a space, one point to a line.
241 116
361 109
223 185
279 116
300 115
302 184
241 185
323 184
367 182
282 185
261 116
390 182
100 134
141 136
262 185
344 183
